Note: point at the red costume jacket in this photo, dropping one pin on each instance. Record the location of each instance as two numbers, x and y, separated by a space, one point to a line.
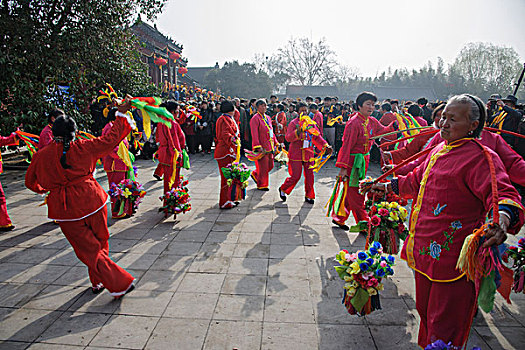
452 194
226 134
73 193
262 133
170 139
318 118
356 138
411 148
46 137
514 164
7 141
297 142
279 123
112 161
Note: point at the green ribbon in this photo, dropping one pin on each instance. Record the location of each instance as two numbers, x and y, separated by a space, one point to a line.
130 172
358 169
185 159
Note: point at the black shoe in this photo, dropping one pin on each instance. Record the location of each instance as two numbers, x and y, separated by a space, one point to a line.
7 228
265 189
309 200
341 226
97 290
157 177
282 195
130 289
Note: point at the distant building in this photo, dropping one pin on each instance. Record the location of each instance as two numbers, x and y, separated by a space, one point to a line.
302 91
404 93
199 73
153 44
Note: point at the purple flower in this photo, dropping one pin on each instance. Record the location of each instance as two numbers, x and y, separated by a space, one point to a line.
438 345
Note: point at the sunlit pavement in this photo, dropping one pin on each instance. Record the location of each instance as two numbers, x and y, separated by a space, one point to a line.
257 276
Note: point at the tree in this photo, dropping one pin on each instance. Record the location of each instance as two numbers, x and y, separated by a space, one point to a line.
487 68
234 79
79 44
305 62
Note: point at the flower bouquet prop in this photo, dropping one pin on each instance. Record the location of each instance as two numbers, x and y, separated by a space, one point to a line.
517 254
363 272
387 221
128 194
177 200
237 175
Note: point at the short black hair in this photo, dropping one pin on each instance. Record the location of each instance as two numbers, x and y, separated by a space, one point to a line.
227 106
260 102
273 96
394 102
313 106
318 98
415 111
386 107
365 96
55 113
301 104
422 101
170 105
328 98
280 107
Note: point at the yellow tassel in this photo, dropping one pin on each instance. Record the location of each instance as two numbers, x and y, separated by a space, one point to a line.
174 172
123 154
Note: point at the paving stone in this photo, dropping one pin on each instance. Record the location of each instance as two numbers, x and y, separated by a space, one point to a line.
137 261
254 237
75 276
288 285
249 266
123 331
25 324
286 266
239 308
55 297
192 305
216 249
210 264
288 309
191 334
233 335
192 236
13 345
202 283
74 328
172 263
249 250
16 295
289 336
89 302
42 274
222 237
244 285
32 255
144 303
345 337
160 280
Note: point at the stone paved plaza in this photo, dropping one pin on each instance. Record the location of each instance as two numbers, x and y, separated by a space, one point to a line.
259 276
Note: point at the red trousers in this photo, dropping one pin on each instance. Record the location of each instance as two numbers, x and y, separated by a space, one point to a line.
355 203
295 169
159 170
262 170
225 201
116 177
89 239
446 310
5 220
168 171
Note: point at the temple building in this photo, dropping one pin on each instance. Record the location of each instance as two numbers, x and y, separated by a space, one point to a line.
162 54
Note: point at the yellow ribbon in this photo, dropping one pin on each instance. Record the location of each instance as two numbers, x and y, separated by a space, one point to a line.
332 121
123 154
174 165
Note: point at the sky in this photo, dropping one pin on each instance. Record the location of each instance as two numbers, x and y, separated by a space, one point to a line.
369 35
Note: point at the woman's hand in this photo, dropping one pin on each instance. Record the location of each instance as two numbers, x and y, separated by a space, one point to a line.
496 235
378 189
387 157
343 174
329 151
125 105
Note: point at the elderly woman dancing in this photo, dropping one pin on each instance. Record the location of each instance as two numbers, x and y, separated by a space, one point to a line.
453 195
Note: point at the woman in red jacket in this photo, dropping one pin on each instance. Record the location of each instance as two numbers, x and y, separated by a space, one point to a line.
76 200
171 143
227 138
